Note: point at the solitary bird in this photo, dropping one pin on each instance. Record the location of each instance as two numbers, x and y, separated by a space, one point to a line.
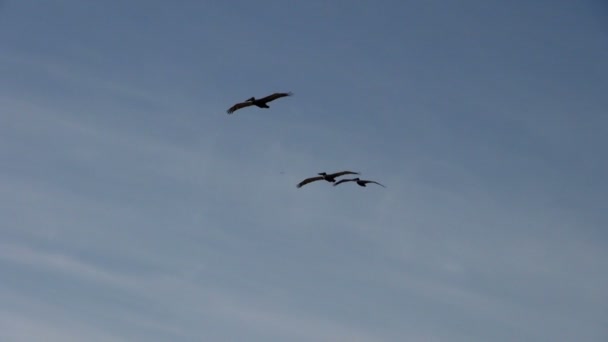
324 176
261 103
360 182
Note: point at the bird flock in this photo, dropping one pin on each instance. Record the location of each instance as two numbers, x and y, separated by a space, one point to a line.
329 177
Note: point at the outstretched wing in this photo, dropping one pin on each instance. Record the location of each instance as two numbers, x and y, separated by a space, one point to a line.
342 173
343 181
239 106
274 97
369 181
308 180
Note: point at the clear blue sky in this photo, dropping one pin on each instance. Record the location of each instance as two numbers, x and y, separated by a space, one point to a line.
133 208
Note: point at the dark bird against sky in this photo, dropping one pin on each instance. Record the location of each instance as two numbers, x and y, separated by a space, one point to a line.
360 182
324 176
261 103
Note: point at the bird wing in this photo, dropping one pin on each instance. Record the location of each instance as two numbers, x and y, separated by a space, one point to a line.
239 106
338 174
308 180
274 96
343 181
370 181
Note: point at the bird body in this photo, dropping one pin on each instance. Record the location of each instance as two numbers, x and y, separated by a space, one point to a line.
327 177
260 103
360 182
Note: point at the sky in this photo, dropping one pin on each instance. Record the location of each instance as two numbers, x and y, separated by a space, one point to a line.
133 208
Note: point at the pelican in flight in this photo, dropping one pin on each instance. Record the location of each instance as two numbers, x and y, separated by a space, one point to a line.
360 182
261 103
324 176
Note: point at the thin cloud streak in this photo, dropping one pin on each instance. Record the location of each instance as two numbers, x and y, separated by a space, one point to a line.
134 206
313 211
169 290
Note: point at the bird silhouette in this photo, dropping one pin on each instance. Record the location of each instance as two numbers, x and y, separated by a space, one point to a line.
360 182
261 103
327 177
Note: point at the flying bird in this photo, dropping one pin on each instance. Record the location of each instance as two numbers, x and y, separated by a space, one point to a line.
261 103
360 182
324 176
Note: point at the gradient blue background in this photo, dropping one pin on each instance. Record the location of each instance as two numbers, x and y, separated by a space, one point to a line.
132 208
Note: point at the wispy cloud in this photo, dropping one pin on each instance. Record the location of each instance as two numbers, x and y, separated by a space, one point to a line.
132 207
167 291
27 327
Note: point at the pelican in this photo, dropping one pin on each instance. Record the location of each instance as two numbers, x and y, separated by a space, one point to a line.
261 103
324 176
360 182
